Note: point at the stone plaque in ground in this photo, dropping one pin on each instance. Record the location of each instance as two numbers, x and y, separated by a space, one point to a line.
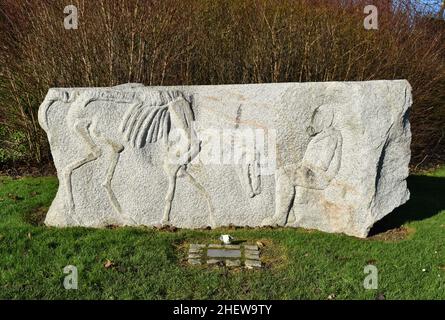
247 256
329 156
224 253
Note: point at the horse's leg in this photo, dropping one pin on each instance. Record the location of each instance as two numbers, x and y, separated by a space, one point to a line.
181 116
116 148
82 130
205 194
171 172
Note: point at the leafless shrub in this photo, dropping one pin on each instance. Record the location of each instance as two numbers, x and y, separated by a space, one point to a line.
161 42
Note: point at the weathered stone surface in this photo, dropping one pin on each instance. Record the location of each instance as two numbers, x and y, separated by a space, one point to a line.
253 255
250 264
232 246
194 262
233 263
196 246
335 155
216 246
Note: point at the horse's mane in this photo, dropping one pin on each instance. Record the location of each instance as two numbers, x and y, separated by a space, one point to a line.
149 120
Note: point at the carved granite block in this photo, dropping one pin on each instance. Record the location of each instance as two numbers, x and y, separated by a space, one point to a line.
331 156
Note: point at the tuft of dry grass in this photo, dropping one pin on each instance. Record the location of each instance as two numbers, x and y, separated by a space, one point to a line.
394 235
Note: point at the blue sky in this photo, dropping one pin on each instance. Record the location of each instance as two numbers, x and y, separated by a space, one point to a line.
429 5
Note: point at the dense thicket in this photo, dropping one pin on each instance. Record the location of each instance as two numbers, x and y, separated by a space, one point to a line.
161 42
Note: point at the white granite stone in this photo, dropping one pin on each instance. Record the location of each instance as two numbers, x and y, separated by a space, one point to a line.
335 155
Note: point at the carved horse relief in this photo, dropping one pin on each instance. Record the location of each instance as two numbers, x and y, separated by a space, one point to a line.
245 155
150 118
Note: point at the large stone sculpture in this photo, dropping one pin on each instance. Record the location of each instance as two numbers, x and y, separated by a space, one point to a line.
330 156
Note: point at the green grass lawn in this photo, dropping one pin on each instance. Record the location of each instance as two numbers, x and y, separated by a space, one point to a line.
148 263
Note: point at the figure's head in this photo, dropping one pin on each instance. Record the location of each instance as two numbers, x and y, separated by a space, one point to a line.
322 118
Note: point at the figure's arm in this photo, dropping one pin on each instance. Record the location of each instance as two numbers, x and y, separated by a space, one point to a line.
315 157
318 173
334 166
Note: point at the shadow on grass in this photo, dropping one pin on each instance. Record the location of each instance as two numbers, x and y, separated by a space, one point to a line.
236 242
427 199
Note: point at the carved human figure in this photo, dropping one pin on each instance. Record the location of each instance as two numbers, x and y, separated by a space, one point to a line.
320 164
